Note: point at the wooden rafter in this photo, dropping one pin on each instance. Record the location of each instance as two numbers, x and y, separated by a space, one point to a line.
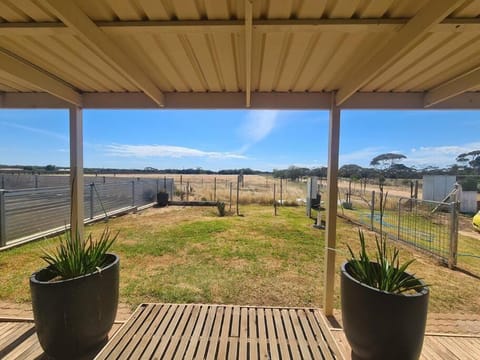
248 51
453 88
72 16
27 73
454 25
431 14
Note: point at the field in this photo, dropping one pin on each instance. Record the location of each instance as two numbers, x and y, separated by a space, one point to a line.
179 254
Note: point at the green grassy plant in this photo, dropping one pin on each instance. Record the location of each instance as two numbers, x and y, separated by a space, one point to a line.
384 271
74 257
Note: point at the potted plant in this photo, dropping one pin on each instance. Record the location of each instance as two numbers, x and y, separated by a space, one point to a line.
384 308
75 298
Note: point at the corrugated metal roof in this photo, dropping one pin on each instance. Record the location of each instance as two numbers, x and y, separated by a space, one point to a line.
200 45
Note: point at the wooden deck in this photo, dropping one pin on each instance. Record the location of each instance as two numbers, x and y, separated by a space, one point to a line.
222 332
172 331
435 346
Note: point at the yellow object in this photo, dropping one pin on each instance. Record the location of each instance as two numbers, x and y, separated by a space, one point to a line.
476 221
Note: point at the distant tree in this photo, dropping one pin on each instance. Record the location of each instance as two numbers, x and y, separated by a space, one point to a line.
386 160
472 158
320 172
50 168
400 171
350 170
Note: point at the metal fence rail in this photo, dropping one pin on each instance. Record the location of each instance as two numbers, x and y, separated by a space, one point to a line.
427 225
26 212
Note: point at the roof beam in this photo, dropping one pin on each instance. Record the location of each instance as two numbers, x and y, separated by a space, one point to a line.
29 74
248 51
72 16
453 25
236 100
400 43
453 88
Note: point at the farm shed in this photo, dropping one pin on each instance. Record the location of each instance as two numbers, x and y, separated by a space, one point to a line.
199 54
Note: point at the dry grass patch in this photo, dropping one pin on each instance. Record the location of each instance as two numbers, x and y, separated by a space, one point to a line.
192 255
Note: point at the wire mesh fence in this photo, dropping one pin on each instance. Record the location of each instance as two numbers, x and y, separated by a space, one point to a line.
427 225
27 212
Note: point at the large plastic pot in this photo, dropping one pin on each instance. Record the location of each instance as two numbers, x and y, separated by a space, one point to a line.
381 325
73 317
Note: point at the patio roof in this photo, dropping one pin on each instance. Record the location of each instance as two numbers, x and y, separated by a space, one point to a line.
289 54
237 53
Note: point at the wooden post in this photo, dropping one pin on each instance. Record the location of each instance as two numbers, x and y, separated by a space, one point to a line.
238 193
281 192
231 186
76 173
454 207
274 200
215 189
188 189
331 219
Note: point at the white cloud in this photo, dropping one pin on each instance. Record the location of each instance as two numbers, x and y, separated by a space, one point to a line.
438 155
35 130
420 157
360 157
126 150
258 125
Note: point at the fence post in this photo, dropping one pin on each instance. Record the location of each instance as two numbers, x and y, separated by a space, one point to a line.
274 201
188 189
91 200
3 182
281 192
36 181
215 189
231 196
372 211
238 193
400 216
164 184
133 192
158 186
3 223
452 256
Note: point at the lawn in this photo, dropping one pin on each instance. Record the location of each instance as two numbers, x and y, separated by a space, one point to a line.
192 255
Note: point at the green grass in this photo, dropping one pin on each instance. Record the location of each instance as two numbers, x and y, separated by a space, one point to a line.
192 255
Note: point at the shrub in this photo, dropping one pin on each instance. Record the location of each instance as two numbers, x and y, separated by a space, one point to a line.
221 209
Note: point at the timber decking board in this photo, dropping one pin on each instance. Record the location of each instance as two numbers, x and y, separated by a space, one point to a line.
435 346
221 332
172 331
18 340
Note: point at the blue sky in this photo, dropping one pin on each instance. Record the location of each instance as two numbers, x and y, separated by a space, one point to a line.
220 139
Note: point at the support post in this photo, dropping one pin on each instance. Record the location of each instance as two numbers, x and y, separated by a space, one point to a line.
76 173
331 218
3 218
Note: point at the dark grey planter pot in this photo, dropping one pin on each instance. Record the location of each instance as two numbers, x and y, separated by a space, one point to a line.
380 325
73 317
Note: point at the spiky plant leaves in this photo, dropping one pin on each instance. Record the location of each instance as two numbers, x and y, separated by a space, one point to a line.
385 272
74 257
